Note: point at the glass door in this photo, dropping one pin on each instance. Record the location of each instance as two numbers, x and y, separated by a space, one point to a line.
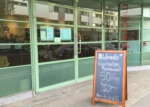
55 46
145 37
89 40
130 27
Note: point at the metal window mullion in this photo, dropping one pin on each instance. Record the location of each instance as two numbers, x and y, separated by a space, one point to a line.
103 25
34 50
76 39
141 34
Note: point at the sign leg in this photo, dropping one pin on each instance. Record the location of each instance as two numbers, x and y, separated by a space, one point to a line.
93 102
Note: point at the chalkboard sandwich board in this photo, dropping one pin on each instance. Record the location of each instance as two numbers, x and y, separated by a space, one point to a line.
109 82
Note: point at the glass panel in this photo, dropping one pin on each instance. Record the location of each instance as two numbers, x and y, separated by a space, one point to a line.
111 35
14 32
129 35
13 55
133 46
146 46
130 10
89 18
129 24
84 17
111 38
111 19
111 46
134 59
146 24
146 35
89 34
66 2
130 46
111 5
68 16
56 73
146 59
55 52
14 10
90 4
97 19
45 13
146 12
15 80
86 67
54 14
88 50
54 34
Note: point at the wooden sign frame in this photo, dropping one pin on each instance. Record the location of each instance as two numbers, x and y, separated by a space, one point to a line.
124 79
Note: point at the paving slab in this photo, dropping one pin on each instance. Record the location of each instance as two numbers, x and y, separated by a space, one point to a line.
80 94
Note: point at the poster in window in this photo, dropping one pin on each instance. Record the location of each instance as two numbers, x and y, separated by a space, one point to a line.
46 33
65 34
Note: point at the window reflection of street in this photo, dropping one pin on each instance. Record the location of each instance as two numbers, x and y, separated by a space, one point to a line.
88 50
65 51
111 46
55 52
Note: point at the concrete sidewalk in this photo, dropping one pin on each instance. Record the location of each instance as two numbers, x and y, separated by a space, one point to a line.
80 95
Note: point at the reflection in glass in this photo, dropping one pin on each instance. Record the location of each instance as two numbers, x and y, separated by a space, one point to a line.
130 10
55 52
88 50
87 34
50 13
14 10
84 18
54 14
14 32
129 35
111 46
109 21
13 55
111 35
68 16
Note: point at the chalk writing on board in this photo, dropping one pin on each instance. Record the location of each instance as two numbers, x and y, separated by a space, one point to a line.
109 76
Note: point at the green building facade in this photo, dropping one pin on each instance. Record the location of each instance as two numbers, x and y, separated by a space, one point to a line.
47 44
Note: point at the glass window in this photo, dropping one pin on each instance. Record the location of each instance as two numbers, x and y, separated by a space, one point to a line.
146 24
68 16
111 35
90 4
89 34
13 55
146 59
54 14
87 50
146 46
14 10
55 52
46 13
130 10
111 20
14 32
130 35
55 34
89 18
111 46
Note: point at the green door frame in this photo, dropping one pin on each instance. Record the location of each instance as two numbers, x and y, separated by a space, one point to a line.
33 43
34 46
